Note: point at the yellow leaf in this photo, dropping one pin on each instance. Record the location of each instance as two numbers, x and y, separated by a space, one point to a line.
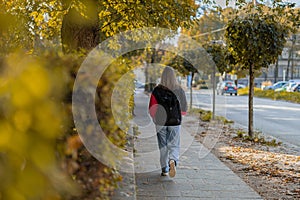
5 134
22 120
35 79
34 14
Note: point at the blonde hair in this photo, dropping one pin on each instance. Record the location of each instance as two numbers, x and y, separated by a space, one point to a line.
168 78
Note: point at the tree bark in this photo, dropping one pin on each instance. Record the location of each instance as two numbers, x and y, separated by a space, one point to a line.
288 64
147 87
276 71
250 102
81 32
191 91
292 52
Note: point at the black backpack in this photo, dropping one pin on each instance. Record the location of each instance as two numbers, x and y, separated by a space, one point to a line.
168 112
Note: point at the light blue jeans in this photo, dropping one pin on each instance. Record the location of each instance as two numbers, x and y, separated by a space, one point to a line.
168 138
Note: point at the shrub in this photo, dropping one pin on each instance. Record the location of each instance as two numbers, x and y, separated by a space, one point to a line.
271 94
39 145
31 119
205 116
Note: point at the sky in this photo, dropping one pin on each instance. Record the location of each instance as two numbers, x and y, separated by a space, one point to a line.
223 2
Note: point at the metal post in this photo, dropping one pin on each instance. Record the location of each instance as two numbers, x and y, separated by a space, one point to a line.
214 92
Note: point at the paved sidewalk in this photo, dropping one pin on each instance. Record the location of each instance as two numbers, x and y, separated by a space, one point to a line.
200 175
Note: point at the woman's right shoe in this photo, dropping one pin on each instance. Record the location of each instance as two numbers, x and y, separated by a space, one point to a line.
172 171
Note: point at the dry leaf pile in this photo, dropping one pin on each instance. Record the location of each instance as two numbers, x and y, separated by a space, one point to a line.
274 172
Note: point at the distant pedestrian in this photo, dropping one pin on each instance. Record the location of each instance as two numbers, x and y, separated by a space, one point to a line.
167 105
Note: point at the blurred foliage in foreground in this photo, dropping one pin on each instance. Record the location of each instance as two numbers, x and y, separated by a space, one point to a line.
39 144
271 94
31 119
40 150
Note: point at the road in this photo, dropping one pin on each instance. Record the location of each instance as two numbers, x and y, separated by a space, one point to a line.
276 118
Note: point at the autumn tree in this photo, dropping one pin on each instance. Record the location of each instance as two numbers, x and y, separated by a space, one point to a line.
90 22
209 26
190 59
204 30
33 25
220 55
256 38
208 31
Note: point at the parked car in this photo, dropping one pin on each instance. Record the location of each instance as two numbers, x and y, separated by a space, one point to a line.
226 87
296 87
292 83
275 85
282 88
240 86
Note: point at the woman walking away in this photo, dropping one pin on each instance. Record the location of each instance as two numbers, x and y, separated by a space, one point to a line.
166 107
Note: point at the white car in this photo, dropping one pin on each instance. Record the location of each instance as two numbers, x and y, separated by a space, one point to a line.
240 86
294 87
292 83
275 85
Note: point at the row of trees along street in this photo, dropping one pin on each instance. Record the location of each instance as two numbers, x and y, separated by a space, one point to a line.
254 36
43 44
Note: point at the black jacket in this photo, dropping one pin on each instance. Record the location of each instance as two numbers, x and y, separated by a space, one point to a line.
160 110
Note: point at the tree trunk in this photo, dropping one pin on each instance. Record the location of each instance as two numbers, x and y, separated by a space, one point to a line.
153 74
288 65
265 76
250 105
191 91
292 55
276 71
214 92
147 88
81 32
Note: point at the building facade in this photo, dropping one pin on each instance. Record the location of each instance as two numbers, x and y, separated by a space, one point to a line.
288 64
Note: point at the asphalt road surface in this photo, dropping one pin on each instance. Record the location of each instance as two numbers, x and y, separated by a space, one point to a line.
276 118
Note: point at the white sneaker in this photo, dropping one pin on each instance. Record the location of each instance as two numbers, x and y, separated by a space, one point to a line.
164 174
172 171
